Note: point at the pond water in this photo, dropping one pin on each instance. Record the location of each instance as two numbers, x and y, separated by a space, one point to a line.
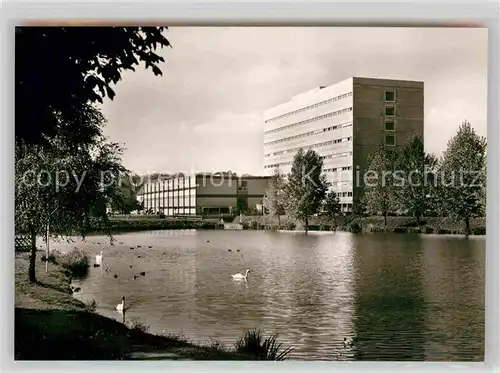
398 296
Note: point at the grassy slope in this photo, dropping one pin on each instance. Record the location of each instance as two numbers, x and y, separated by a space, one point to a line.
51 325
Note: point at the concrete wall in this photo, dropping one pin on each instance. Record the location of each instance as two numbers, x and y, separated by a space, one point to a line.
257 186
369 117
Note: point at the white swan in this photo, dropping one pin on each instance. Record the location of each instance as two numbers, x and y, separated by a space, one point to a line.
98 259
121 307
239 276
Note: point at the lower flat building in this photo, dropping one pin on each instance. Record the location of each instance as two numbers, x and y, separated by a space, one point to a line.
202 194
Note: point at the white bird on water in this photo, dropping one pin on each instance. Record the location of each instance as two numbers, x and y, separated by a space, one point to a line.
239 276
121 307
98 259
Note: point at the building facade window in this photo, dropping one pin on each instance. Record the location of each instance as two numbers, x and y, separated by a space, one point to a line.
390 140
389 125
390 96
390 111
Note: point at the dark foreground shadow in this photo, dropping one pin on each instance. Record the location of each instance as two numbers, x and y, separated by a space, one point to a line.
80 335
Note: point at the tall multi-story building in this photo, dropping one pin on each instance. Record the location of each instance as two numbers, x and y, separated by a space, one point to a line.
204 193
344 123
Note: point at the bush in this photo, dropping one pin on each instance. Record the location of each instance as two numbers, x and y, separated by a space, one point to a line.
91 306
400 230
428 230
478 231
76 262
289 226
354 227
253 343
52 258
137 325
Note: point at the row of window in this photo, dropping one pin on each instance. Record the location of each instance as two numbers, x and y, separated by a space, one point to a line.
329 101
331 156
337 169
171 184
171 192
174 211
307 134
344 194
390 111
310 120
315 146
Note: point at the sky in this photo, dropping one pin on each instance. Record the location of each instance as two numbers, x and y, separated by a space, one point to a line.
205 113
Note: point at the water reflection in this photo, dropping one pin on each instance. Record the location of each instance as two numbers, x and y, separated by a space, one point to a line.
400 297
390 316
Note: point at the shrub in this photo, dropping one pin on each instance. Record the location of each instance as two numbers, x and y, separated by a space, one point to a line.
354 227
400 230
76 262
91 306
478 230
289 226
253 343
52 258
137 325
428 230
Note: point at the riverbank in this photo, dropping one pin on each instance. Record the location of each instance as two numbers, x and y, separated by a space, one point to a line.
50 324
395 224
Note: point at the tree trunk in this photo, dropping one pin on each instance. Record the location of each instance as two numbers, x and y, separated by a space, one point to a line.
31 271
418 220
307 225
467 227
385 222
47 249
279 222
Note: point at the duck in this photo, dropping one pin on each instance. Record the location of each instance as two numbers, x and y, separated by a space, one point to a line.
121 306
347 342
150 247
115 275
238 250
143 273
229 250
132 248
139 246
134 277
239 276
98 259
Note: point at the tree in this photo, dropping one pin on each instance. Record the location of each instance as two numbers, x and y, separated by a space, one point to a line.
274 198
379 193
126 200
66 185
306 187
463 176
331 205
414 178
59 70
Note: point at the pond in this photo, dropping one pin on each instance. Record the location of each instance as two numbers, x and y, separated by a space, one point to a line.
397 296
